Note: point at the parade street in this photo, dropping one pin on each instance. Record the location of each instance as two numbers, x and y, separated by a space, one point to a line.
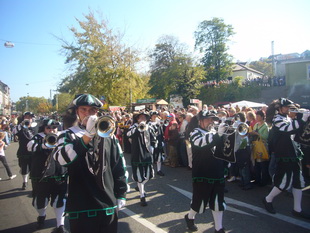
168 199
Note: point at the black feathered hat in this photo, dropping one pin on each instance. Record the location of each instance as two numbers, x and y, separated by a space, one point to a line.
284 102
203 114
86 100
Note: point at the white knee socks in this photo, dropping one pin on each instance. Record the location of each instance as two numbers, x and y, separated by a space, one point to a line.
192 213
297 194
218 219
274 192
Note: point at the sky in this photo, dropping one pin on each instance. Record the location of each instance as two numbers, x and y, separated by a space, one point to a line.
35 65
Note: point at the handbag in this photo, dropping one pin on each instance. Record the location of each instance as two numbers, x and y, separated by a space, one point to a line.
259 150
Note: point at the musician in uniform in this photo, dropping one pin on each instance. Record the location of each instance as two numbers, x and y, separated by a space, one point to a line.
24 132
288 167
141 156
127 124
207 171
97 181
48 177
158 142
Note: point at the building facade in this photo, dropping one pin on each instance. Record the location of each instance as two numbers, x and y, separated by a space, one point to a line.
5 100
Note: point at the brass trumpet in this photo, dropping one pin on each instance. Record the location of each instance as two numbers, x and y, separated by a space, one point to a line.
142 126
26 124
50 140
239 127
105 126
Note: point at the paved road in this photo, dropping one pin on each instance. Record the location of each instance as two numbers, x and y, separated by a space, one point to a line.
168 201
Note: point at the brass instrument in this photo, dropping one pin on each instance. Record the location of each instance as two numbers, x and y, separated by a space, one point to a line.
301 110
105 126
239 127
50 140
142 126
26 124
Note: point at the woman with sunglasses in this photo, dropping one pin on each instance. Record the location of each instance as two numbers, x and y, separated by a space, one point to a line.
48 177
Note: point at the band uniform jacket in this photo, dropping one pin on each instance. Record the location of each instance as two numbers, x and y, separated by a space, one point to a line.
24 136
204 145
43 165
281 135
96 172
140 145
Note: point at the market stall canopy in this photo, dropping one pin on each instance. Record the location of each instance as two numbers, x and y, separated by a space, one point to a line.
162 102
248 104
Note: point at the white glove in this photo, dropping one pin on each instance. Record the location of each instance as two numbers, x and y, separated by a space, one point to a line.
305 116
121 204
152 150
221 129
91 126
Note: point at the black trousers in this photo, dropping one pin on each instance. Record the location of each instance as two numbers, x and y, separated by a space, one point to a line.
24 163
101 223
5 164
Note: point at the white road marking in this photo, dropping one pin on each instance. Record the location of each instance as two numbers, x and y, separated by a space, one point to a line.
189 195
143 221
255 208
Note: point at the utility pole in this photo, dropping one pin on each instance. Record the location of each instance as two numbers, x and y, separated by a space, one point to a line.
273 60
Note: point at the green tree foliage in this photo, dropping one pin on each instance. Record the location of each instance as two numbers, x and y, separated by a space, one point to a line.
263 66
100 63
173 71
35 105
211 39
62 101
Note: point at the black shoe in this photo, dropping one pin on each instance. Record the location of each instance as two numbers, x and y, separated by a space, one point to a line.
60 229
160 173
24 186
143 201
190 224
301 214
40 221
220 231
268 206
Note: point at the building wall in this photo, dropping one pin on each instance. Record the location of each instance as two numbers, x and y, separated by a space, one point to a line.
248 75
5 102
297 73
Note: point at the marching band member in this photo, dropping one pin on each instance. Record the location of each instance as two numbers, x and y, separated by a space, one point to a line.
288 169
207 171
158 142
97 181
49 179
141 156
25 132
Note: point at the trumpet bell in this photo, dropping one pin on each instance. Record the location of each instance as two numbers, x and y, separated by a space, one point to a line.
50 140
243 129
105 126
27 124
142 126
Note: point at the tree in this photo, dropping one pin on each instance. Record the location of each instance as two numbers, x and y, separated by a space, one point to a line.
33 104
100 63
173 70
211 39
262 66
62 101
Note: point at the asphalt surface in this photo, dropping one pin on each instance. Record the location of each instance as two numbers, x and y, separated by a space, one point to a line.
168 200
